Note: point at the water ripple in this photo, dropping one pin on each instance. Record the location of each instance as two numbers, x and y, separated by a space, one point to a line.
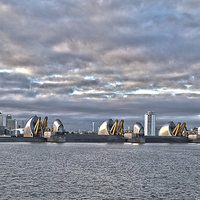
96 171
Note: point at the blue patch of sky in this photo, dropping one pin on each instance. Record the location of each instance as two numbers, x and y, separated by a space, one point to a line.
188 85
55 75
35 80
89 78
6 70
108 96
114 83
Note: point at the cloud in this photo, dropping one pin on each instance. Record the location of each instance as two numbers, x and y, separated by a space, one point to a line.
99 59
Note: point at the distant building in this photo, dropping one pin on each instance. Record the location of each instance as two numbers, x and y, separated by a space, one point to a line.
12 124
157 131
2 130
1 119
8 117
150 123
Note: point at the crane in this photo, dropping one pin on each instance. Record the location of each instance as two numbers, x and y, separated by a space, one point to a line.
44 125
37 126
40 128
178 130
181 130
119 129
113 128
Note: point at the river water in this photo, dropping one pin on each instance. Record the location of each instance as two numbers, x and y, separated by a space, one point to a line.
99 171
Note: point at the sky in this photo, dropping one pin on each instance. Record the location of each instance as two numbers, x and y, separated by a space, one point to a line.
88 61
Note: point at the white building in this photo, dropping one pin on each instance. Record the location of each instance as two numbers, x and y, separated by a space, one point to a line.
150 123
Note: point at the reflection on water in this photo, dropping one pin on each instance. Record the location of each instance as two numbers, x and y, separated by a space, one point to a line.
99 171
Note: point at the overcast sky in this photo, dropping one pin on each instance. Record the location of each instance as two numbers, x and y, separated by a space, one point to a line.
83 61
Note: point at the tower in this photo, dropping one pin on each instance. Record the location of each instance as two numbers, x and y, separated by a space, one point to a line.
11 123
8 117
92 126
150 123
1 119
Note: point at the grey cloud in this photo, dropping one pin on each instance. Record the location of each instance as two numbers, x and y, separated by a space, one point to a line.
143 45
18 93
13 80
131 110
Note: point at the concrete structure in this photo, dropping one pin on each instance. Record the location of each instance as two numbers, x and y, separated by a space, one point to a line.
199 131
105 127
1 119
94 138
166 139
150 123
138 129
58 129
58 126
29 127
166 129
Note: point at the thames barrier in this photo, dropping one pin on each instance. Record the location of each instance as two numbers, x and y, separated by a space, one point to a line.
110 131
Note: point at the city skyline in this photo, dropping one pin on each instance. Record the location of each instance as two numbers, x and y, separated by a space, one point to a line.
88 61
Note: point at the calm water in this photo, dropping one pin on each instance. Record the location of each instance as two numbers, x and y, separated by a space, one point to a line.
99 171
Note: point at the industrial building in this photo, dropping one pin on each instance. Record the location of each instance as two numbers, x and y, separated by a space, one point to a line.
150 123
